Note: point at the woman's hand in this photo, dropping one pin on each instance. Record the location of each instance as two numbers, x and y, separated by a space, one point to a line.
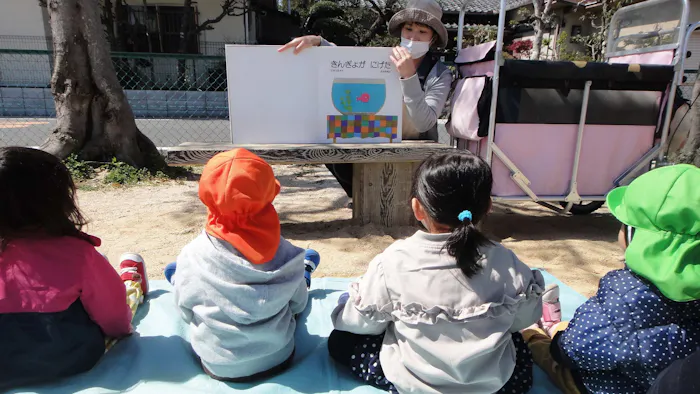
301 43
404 62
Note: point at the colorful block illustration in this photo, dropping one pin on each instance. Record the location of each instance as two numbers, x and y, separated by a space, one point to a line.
363 126
359 100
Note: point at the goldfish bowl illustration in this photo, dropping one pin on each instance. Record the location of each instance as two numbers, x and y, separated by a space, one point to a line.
358 95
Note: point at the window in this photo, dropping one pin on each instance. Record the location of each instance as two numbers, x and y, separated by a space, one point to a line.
575 30
158 29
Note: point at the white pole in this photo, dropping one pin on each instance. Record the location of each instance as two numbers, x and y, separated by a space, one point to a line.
496 77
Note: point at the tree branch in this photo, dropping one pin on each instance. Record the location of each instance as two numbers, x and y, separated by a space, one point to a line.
380 22
228 8
378 9
548 7
537 6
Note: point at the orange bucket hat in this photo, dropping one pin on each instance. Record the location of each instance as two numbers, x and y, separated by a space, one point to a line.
238 188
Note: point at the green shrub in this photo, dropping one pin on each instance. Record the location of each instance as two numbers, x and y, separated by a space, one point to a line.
565 54
121 173
124 174
79 170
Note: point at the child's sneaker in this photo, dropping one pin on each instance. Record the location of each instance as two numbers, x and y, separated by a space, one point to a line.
132 267
169 272
551 308
311 261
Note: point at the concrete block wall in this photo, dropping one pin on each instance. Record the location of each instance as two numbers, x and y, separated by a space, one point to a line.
38 102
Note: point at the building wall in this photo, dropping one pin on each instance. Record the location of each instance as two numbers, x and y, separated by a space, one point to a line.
26 18
569 18
577 19
22 26
22 18
231 29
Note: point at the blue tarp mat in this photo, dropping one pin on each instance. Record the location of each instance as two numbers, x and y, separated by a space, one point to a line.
159 359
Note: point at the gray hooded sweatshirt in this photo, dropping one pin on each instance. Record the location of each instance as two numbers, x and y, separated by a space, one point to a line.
241 315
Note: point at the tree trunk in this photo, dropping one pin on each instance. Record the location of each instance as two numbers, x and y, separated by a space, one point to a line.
93 116
542 14
690 154
537 43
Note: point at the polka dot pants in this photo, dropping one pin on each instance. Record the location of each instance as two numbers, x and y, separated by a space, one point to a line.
360 353
520 381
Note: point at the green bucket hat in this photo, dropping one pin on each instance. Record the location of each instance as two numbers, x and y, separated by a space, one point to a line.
663 206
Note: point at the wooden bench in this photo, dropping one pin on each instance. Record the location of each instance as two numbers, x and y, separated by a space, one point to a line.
382 173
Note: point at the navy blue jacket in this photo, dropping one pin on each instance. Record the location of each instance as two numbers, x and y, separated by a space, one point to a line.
621 339
41 347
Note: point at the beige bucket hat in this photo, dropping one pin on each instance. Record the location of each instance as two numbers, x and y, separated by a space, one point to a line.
426 12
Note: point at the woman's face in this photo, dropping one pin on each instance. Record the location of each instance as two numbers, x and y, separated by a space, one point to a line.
417 32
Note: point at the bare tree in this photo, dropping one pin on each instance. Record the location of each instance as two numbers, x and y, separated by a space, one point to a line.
190 30
542 19
600 20
93 116
690 153
354 22
384 14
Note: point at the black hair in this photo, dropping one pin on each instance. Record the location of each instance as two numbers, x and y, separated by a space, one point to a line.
448 184
629 233
37 197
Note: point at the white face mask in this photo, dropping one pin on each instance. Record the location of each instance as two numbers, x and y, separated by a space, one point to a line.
416 48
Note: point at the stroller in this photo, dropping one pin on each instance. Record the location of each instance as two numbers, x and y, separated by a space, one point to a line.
564 133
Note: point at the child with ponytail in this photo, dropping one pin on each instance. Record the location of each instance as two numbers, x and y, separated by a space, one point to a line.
441 311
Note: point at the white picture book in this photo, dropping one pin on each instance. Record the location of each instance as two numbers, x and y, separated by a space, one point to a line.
322 95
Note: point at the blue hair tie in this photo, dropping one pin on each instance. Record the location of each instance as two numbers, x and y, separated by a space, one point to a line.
464 215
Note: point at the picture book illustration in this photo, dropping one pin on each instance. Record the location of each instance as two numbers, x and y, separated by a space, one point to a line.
358 96
358 100
365 96
322 95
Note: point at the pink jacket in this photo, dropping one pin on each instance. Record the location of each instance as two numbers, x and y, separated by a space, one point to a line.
48 275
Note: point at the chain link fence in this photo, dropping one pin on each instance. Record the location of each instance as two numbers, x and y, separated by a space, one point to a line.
687 87
175 98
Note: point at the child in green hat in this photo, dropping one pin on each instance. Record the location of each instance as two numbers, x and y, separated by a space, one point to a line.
647 315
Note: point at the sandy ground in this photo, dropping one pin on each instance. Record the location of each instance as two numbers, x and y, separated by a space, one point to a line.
157 221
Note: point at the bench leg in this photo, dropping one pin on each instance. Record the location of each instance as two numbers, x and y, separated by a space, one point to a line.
382 193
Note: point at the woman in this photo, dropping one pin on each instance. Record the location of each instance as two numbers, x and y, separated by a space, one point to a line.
425 80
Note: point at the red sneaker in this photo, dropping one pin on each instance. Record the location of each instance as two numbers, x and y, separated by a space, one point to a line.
132 267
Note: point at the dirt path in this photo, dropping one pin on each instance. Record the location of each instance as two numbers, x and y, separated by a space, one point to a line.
157 221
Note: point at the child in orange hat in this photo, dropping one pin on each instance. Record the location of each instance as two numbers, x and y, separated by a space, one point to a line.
240 283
